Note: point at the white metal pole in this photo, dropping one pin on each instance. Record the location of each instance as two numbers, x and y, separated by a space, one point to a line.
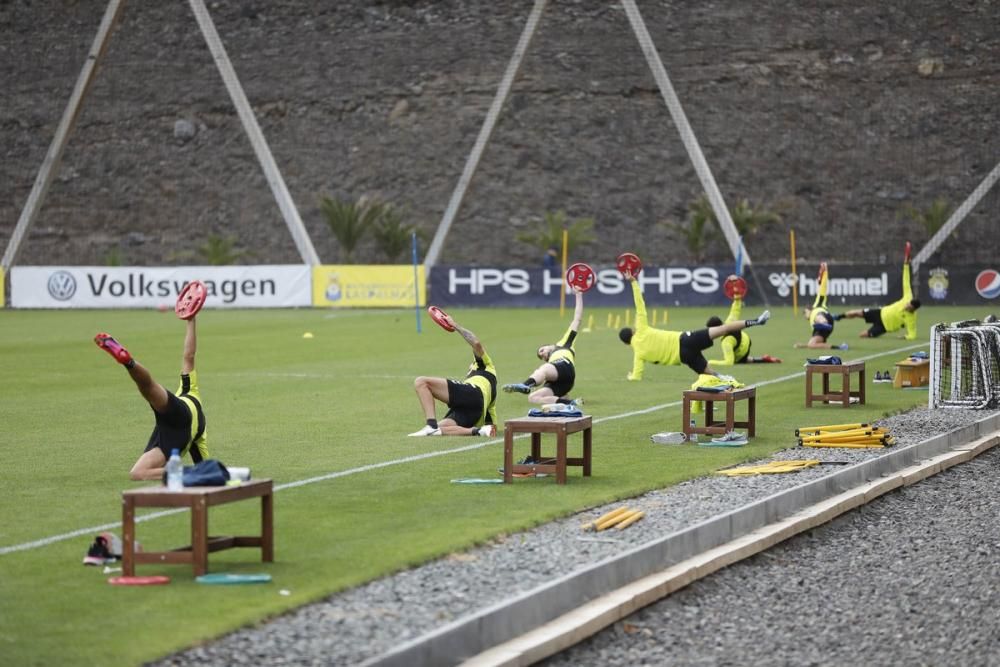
472 163
50 165
684 127
256 136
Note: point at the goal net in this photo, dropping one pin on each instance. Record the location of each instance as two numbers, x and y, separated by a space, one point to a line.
965 365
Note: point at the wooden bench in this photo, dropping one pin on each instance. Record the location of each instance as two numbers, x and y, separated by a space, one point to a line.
842 395
198 499
912 373
730 398
536 426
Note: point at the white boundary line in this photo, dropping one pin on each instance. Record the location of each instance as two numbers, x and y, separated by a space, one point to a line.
35 544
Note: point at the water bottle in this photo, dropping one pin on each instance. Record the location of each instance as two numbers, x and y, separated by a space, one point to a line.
175 472
693 436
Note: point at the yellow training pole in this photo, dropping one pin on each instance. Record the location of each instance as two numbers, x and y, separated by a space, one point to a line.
590 323
795 283
611 320
628 318
618 321
562 292
604 517
630 520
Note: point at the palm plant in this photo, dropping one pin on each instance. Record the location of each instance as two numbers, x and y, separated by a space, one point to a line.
392 235
350 221
550 235
932 218
219 251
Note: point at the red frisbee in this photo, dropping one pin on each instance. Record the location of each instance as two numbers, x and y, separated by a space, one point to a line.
906 253
190 300
581 276
735 287
630 262
151 580
442 318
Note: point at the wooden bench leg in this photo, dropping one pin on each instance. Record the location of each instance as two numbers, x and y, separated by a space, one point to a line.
861 390
508 454
809 387
561 457
730 414
686 418
267 528
709 413
587 441
845 389
199 537
752 416
536 446
128 536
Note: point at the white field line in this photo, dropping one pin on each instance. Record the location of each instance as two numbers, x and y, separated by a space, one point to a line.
25 546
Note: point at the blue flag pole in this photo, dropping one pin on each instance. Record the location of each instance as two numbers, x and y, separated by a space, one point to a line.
739 258
416 285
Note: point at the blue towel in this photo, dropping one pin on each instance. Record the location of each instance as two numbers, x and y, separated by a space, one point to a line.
535 412
825 361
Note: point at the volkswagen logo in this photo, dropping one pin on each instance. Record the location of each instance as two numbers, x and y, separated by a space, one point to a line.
62 285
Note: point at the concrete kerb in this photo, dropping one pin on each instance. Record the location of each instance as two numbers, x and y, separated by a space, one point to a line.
509 619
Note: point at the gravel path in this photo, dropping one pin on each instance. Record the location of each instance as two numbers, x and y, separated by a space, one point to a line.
361 623
910 579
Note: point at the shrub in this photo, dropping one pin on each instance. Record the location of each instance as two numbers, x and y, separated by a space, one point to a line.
350 221
578 232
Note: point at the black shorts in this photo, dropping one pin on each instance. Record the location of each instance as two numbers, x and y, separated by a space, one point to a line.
692 343
173 428
873 316
465 404
565 378
823 329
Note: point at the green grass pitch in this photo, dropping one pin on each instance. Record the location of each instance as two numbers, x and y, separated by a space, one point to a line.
294 408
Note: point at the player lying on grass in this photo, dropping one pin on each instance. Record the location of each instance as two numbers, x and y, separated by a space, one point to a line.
736 346
820 318
672 348
892 317
553 380
471 402
180 420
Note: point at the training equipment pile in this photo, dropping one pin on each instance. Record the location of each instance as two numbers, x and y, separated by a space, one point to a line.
851 436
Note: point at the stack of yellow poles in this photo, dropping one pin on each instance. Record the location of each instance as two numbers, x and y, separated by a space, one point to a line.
620 518
856 436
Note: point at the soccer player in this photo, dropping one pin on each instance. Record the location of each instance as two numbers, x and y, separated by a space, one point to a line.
892 317
554 378
180 420
672 348
471 402
736 346
820 317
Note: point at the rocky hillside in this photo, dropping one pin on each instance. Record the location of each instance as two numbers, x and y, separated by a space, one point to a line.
837 115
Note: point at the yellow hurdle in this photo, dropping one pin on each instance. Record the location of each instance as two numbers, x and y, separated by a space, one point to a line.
832 427
844 434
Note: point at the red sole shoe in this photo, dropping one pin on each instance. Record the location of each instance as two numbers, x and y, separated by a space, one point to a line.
112 347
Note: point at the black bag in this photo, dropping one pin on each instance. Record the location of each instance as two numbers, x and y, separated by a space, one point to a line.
209 472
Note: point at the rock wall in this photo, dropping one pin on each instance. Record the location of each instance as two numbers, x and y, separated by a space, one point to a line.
835 114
